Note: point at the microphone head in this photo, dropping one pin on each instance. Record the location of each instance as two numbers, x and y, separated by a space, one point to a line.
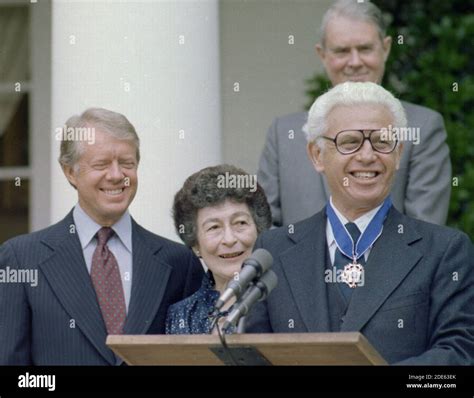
253 267
262 257
269 280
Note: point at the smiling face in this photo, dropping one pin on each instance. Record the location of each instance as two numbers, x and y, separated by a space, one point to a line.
353 51
105 177
226 234
360 181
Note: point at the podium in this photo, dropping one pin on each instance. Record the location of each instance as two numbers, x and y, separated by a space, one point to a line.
348 348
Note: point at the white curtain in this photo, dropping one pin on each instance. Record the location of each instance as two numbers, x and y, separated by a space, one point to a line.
14 59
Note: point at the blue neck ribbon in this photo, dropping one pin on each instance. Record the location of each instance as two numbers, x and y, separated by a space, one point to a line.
344 240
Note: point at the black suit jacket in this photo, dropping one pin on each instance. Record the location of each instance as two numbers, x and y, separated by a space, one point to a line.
59 322
416 305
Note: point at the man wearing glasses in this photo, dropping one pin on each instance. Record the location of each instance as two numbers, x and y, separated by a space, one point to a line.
359 264
354 47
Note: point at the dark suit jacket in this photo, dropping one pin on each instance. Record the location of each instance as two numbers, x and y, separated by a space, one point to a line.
418 273
59 322
421 188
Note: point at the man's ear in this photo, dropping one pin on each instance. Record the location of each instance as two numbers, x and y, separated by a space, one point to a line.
387 45
315 153
320 51
399 155
196 251
70 174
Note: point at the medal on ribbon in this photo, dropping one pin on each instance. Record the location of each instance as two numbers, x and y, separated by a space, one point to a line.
353 271
352 274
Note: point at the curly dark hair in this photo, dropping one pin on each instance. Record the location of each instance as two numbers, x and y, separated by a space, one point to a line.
204 189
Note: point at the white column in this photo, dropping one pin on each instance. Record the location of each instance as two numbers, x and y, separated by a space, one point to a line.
40 111
157 62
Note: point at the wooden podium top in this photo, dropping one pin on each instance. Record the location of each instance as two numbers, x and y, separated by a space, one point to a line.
350 348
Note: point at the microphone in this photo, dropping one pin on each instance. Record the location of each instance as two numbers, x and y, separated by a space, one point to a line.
259 291
253 267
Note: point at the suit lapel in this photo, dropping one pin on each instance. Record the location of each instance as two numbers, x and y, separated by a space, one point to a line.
384 271
305 273
149 280
66 273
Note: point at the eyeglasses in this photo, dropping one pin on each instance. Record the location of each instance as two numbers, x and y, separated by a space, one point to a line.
350 141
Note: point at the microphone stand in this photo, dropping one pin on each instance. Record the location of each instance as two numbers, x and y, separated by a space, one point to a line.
241 325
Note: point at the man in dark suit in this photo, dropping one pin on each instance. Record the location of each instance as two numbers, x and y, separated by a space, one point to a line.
96 272
361 265
354 47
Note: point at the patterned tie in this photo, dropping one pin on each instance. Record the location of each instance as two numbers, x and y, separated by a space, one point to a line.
340 260
107 282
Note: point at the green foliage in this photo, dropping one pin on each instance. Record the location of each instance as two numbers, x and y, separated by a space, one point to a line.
432 64
317 85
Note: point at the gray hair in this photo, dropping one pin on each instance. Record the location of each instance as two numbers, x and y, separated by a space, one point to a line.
363 11
113 123
351 93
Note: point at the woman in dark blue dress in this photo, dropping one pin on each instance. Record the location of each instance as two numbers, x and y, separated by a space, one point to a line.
219 213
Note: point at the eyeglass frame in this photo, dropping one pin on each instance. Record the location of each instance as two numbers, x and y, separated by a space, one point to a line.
334 140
